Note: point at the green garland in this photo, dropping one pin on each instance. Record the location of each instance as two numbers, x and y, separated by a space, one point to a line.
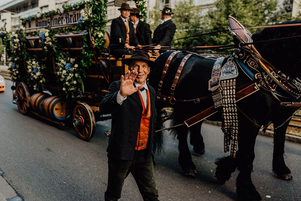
15 44
93 21
141 5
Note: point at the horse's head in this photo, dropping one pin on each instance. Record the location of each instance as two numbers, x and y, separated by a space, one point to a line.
285 55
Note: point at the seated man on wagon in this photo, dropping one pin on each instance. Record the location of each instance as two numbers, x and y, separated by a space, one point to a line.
141 29
123 38
164 33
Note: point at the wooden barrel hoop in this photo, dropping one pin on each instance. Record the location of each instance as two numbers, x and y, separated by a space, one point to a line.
56 107
36 102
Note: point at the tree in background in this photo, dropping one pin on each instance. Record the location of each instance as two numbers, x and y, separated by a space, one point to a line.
249 13
188 20
193 29
154 17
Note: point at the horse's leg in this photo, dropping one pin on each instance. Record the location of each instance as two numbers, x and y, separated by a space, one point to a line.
279 167
185 159
245 188
196 139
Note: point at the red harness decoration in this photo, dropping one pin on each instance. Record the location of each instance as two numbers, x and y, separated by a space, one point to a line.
170 98
165 69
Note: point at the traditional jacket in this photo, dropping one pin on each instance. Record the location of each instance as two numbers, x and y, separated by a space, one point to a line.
143 33
164 33
126 120
119 33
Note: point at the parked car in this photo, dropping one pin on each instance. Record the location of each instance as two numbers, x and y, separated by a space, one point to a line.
2 83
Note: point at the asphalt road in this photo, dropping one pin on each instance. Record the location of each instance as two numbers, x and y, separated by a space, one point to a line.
43 162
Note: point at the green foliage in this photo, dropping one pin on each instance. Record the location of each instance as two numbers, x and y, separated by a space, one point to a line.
141 5
193 29
154 17
249 13
15 44
187 18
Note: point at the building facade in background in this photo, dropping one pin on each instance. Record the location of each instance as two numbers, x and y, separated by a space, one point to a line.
14 10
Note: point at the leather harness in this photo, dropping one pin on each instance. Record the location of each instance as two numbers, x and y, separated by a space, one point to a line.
170 98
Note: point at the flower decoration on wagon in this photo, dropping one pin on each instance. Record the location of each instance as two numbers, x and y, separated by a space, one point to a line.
36 74
69 74
46 39
15 51
92 20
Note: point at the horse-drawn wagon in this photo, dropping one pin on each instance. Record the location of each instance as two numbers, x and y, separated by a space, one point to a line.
62 72
61 67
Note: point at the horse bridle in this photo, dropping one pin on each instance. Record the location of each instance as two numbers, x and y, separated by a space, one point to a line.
270 76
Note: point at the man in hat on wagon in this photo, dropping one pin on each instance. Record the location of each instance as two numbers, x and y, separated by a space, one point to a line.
131 101
141 29
164 33
123 38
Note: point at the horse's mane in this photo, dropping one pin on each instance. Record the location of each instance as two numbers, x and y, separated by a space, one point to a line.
284 54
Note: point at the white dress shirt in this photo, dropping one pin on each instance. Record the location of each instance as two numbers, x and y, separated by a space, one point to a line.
136 24
165 20
124 19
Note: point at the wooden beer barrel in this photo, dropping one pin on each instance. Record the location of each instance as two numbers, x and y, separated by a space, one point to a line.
56 108
36 102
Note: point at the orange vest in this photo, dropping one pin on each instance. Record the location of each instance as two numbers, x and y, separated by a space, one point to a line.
127 40
143 132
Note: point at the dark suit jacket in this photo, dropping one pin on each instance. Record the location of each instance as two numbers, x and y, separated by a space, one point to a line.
143 33
118 34
126 122
164 33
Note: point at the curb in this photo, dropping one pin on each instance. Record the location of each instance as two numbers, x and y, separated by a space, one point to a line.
268 133
7 193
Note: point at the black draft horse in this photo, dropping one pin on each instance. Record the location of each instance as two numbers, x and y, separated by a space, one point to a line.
258 109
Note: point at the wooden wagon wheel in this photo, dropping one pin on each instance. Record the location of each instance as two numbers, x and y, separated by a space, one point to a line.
83 121
22 97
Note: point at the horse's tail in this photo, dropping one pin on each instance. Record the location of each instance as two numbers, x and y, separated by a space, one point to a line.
163 114
158 145
225 166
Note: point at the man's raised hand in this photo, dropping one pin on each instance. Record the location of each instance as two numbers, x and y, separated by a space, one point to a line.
127 83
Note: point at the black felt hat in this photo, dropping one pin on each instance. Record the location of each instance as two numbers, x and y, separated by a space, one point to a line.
140 55
125 6
136 11
167 10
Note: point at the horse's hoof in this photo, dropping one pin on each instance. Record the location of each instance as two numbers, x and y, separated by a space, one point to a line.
198 152
189 172
284 176
282 172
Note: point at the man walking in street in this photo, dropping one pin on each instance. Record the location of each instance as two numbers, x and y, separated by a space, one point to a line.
131 101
